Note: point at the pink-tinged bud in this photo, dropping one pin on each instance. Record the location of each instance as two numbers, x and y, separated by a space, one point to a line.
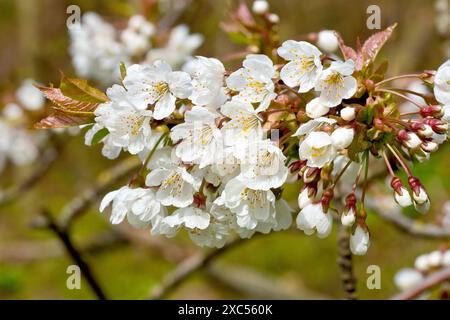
409 139
438 126
327 196
435 111
297 165
426 131
348 216
401 194
429 146
310 174
419 194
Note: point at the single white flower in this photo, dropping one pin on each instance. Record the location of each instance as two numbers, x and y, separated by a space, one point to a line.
315 109
317 149
342 137
304 66
348 113
348 217
190 217
312 125
250 206
260 6
304 199
262 165
336 83
175 185
403 197
442 83
138 205
327 41
245 124
312 219
200 137
359 241
157 85
207 81
29 96
128 126
254 81
407 278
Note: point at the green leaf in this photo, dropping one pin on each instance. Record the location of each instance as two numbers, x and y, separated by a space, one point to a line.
80 90
123 70
99 135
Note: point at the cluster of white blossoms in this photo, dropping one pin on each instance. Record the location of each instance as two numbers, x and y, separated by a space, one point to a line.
219 146
97 47
424 264
17 144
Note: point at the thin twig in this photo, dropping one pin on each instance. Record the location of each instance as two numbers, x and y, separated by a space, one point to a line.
64 236
187 268
47 159
345 263
426 284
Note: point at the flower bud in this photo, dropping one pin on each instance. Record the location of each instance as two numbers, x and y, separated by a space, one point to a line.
348 217
260 6
310 174
422 208
315 109
419 194
407 278
360 241
306 197
348 113
438 126
342 137
435 259
327 41
429 146
435 111
421 263
446 258
409 139
273 18
401 194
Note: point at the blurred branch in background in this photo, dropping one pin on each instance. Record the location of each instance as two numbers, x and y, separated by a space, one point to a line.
426 284
28 37
345 263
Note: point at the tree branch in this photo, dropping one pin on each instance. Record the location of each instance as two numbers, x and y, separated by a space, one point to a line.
345 263
64 236
187 268
429 282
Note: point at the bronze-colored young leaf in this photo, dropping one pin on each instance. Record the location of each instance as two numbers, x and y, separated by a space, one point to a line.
80 90
61 119
375 42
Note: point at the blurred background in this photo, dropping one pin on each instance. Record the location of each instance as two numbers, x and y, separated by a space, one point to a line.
286 264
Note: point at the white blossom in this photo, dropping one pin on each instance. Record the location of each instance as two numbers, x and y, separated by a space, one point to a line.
138 205
317 149
260 6
175 185
407 278
244 124
179 47
315 109
207 81
29 96
262 165
250 206
342 137
348 113
442 83
157 85
190 217
200 137
348 217
336 83
304 199
128 125
359 241
304 66
313 219
403 199
327 40
254 81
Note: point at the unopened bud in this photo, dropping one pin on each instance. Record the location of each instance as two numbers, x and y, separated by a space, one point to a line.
348 113
260 6
435 111
409 139
438 126
429 146
401 194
